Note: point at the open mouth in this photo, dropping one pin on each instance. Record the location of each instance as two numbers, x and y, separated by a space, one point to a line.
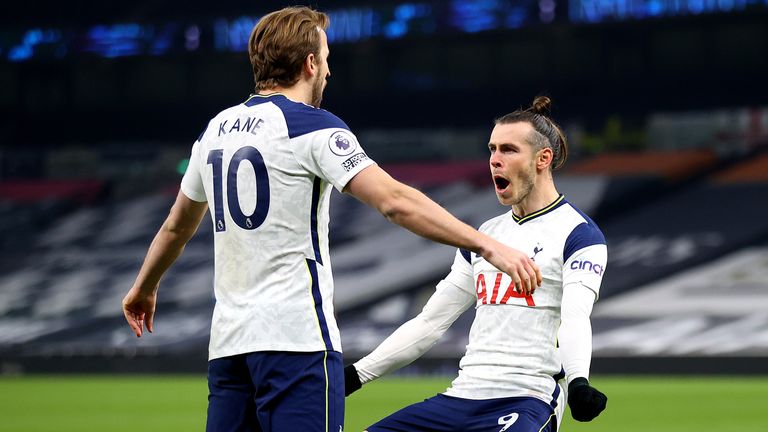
501 183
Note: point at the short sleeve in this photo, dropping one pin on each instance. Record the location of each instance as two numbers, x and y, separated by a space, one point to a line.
192 182
586 266
585 256
333 154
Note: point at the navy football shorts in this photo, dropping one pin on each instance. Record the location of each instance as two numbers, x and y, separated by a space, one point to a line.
446 413
275 391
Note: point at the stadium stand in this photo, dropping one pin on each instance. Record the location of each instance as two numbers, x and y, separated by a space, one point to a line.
697 228
669 131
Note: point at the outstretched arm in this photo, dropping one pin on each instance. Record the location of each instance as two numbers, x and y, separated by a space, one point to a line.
180 225
414 211
411 340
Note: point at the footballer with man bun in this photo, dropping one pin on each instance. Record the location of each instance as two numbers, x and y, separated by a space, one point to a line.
509 377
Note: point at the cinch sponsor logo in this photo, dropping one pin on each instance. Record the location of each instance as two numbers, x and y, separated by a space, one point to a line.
587 265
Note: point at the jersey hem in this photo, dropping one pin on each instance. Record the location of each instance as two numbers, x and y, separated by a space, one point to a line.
307 349
500 395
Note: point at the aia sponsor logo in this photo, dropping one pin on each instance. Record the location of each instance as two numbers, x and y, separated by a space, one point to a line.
497 294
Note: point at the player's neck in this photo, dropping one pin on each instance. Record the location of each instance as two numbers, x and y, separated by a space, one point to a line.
296 92
540 196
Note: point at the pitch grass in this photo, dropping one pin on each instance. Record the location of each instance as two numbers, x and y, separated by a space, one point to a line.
177 403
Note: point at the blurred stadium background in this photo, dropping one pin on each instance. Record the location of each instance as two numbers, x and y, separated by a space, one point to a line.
665 103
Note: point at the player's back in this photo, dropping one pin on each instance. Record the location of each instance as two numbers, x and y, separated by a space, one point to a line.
262 172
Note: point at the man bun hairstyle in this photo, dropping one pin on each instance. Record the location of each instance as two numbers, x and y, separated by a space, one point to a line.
281 41
542 105
546 132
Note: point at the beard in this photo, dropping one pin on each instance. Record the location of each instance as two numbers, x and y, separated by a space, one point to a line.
526 180
525 189
317 92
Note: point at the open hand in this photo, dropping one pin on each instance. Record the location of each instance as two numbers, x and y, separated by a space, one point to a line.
139 310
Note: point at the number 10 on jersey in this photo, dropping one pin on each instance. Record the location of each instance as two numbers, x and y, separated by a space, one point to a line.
247 222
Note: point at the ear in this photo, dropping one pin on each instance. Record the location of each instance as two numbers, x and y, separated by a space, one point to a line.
310 65
544 158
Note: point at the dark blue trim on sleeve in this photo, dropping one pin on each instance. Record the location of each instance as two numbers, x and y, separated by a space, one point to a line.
301 119
466 254
584 235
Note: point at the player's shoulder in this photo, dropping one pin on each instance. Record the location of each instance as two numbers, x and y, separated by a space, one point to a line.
228 112
300 118
211 125
584 233
580 219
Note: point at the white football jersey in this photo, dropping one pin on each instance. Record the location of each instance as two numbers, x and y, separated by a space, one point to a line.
512 348
265 167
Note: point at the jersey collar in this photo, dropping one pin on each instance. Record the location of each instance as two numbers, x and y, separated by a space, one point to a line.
256 98
557 203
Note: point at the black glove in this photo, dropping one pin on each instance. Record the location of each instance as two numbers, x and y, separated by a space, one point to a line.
351 380
586 402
